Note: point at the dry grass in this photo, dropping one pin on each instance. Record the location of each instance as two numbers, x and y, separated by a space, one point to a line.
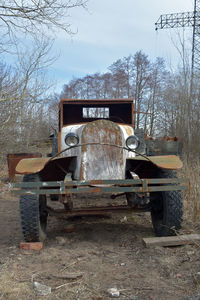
3 170
11 286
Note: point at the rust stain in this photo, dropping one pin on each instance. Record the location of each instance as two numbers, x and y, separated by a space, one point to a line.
128 129
147 138
95 182
95 101
99 161
97 190
169 138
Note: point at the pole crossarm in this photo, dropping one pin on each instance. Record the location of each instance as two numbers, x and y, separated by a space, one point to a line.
185 19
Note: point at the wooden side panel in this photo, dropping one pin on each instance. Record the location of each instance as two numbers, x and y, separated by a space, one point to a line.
100 162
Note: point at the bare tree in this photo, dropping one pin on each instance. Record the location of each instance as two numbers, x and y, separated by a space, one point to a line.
25 28
158 77
23 95
119 78
33 17
141 82
53 111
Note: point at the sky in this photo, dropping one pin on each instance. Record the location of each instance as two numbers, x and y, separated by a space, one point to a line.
111 29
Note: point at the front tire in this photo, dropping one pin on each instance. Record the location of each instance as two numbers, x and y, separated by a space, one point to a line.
166 208
33 214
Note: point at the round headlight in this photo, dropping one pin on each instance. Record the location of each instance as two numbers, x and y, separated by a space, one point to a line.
132 142
71 139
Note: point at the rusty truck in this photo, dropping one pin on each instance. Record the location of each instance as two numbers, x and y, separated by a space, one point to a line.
97 151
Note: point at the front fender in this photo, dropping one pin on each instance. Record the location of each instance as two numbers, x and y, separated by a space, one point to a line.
31 165
170 162
48 169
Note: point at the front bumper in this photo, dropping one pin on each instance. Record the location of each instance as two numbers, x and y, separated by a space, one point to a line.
100 186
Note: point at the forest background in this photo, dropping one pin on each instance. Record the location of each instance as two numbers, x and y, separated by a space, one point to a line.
164 101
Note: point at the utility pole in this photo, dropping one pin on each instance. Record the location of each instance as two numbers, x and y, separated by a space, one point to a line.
186 19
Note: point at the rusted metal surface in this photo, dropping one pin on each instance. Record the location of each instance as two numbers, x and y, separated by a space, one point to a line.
34 165
99 161
48 168
14 159
128 130
71 110
96 101
164 138
170 138
101 155
100 137
101 183
101 186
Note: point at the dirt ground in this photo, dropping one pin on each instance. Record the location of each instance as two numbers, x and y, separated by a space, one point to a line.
101 253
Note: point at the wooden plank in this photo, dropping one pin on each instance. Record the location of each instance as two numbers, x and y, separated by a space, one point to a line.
31 246
172 240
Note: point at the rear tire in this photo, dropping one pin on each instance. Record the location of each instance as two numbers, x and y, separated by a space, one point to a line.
166 208
33 214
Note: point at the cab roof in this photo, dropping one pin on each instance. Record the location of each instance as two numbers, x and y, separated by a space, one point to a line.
95 101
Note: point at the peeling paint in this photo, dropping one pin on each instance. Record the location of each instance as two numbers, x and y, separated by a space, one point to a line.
99 161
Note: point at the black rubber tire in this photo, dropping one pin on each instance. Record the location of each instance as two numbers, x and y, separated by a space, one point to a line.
166 208
33 218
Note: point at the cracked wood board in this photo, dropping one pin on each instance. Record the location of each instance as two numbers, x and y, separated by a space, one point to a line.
171 240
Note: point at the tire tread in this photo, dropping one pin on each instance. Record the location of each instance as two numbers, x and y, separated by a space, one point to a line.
172 209
29 213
